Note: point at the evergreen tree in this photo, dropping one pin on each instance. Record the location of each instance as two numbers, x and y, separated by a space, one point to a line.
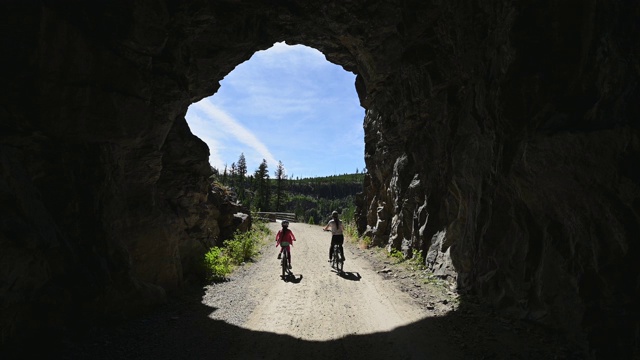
280 178
224 175
242 173
262 186
232 175
249 193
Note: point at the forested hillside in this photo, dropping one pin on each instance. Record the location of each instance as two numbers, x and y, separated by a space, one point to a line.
311 199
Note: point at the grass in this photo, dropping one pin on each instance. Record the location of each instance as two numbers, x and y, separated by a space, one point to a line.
434 280
417 261
396 255
366 242
220 261
351 231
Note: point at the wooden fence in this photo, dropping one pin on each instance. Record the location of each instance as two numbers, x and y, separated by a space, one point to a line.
273 216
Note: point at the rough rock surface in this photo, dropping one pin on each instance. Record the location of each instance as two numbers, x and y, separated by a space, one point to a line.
504 132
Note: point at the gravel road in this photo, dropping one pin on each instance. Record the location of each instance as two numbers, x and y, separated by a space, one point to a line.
357 314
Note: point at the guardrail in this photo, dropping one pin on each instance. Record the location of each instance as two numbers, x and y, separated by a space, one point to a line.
273 216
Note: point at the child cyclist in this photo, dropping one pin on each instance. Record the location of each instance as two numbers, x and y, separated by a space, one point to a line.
285 239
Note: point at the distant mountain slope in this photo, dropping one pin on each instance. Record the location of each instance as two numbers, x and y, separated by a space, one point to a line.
313 199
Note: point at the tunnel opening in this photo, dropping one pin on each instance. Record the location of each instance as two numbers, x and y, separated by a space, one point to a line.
289 104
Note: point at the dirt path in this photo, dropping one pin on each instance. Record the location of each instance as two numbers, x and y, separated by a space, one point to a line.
323 305
320 305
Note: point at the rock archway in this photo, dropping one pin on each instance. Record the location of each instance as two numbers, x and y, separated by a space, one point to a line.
503 133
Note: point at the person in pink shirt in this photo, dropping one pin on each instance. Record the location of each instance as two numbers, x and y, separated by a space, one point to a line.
285 239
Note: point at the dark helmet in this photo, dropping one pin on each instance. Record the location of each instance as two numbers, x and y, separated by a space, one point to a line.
285 223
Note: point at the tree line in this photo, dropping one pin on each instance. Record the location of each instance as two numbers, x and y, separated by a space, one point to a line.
311 199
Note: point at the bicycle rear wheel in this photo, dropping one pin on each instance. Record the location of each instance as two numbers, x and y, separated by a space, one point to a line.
284 263
335 258
340 258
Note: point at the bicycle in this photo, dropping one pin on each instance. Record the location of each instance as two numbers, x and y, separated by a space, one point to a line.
284 263
337 260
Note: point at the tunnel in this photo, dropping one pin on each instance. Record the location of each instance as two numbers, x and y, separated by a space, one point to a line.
501 138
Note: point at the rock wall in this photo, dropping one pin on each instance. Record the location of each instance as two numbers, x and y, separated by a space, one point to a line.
501 135
511 149
106 197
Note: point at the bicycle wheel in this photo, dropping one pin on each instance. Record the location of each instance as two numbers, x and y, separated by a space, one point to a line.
340 261
334 258
284 263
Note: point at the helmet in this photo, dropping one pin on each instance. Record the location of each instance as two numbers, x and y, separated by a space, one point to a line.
285 223
334 213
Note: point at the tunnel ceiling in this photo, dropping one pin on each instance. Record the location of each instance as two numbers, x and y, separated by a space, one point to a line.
501 140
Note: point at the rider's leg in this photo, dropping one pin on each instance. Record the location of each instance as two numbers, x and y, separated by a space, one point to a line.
340 241
333 242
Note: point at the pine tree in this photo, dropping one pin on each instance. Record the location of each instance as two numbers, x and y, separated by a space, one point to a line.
262 186
232 175
242 173
224 175
280 178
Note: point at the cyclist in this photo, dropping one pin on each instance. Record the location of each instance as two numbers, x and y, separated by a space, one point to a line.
337 237
285 239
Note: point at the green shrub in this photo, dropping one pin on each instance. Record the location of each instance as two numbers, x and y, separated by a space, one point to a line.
218 265
260 227
351 229
366 241
417 260
311 220
219 261
396 254
243 246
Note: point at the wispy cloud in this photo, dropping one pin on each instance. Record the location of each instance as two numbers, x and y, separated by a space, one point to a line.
226 126
279 82
286 103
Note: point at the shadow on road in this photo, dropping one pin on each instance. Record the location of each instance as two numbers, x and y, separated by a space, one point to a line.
292 278
184 330
353 276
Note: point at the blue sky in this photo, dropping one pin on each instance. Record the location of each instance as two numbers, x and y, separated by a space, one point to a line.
289 104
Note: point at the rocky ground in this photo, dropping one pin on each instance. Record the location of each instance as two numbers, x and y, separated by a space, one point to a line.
379 308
